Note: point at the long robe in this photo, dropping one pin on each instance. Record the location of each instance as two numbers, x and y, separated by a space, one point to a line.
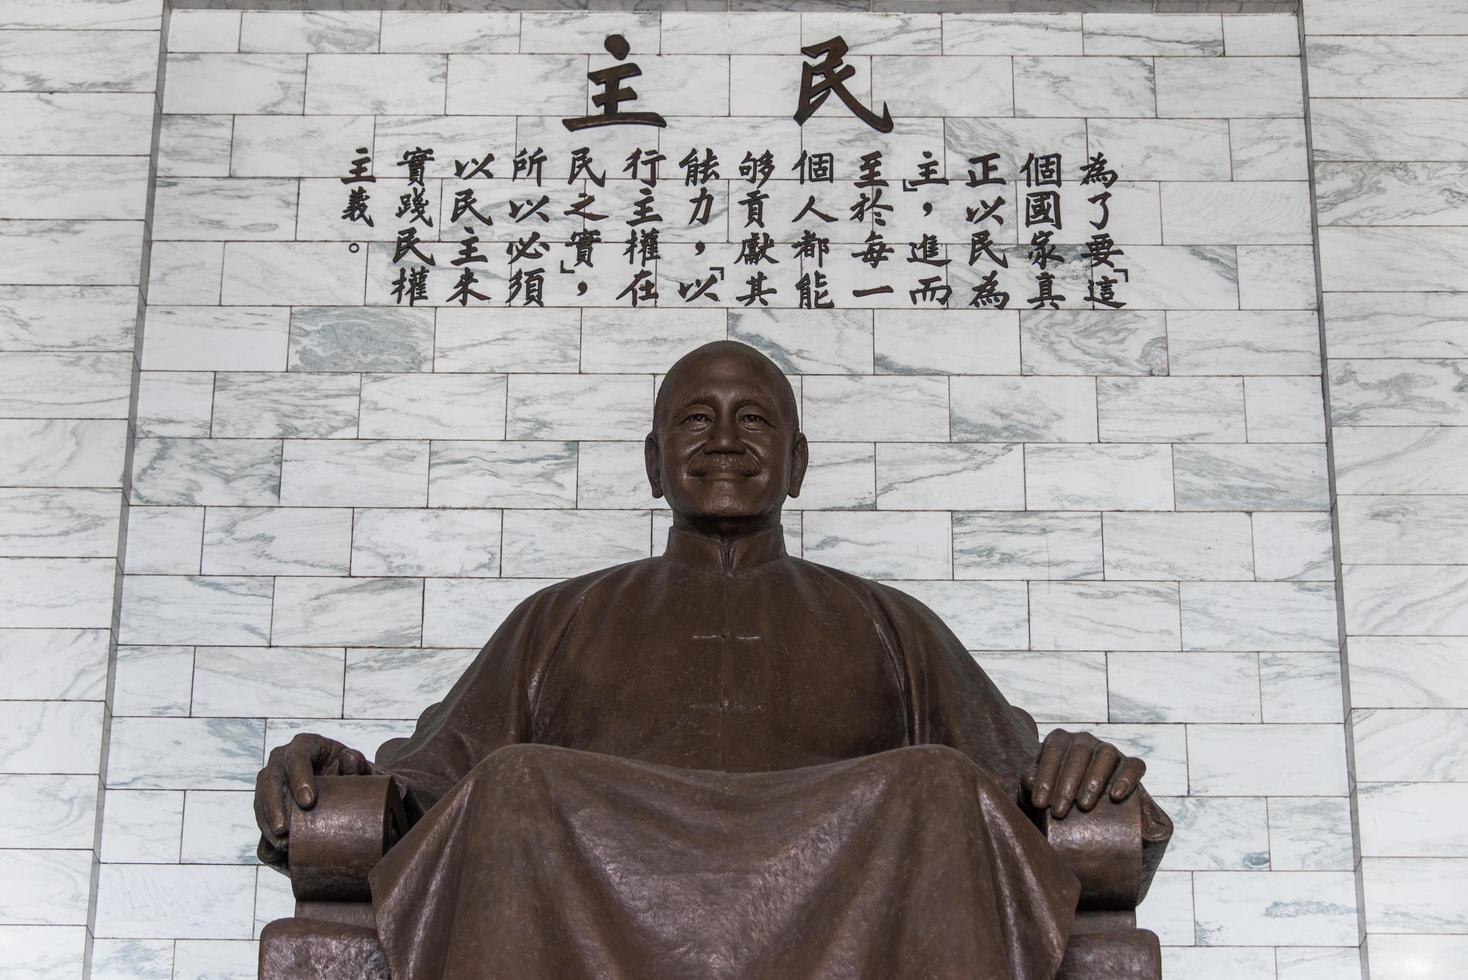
720 762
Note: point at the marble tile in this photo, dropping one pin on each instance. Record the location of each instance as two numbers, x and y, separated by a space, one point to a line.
204 30
292 274
1402 529
1391 194
1389 129
1223 760
75 61
238 472
518 84
216 959
1023 409
164 540
1098 477
131 15
718 32
951 85
342 84
1401 459
579 32
613 476
1217 833
1183 687
1284 409
1410 744
219 828
1212 274
983 615
1310 833
341 611
1084 87
1421 600
1242 342
946 342
153 681
277 541
919 476
1149 34
1013 139
1408 672
308 31
92 318
1261 35
1385 259
275 406
233 682
1178 546
1114 616
1236 212
217 208
77 123
247 84
1168 911
40 664
478 32
181 272
65 385
502 474
1257 476
1318 963
464 612
1386 67
518 340
1065 684
554 406
566 542
1408 957
354 473
1301 686
142 826
1235 87
1268 149
73 187
175 403
641 341
59 523
1163 149
174 901
185 609
400 683
48 811
809 341
1415 895
1087 342
45 952
1259 616
842 476
43 252
327 338
1219 963
433 542
1367 17
1392 823
1398 392
56 592
1027 545
132 959
1012 34
1170 409
877 33
297 146
892 545
201 753
433 406
45 887
876 408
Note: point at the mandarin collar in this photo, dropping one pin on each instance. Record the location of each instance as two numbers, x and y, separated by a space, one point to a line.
723 554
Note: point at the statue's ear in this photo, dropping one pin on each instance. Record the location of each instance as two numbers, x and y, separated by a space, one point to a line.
654 470
799 459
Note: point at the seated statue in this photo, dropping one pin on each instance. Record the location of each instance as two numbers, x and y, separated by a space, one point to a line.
723 761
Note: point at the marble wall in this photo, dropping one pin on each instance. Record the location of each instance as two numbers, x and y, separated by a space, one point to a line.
1125 514
1389 113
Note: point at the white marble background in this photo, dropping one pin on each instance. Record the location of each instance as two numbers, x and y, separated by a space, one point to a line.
1125 515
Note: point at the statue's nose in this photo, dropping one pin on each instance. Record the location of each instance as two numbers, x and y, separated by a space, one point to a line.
725 438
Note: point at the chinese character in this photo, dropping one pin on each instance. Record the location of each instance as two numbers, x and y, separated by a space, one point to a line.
612 95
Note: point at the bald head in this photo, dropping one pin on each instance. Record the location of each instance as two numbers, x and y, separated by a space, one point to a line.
725 361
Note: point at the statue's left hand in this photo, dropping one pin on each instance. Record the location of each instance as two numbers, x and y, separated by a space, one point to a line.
1076 768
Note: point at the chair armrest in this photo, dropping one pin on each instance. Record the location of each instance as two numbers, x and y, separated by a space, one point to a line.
1114 850
335 843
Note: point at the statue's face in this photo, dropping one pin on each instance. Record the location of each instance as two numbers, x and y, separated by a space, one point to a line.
726 445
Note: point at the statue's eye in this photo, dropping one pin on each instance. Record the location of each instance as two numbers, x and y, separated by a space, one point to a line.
751 418
697 418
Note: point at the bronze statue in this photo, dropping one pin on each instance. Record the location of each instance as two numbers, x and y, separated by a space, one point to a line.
720 762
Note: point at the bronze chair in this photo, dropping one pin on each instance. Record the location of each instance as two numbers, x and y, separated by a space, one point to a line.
1113 850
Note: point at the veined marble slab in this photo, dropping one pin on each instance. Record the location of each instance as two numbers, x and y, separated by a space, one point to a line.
1415 895
1257 476
1369 17
56 592
1284 409
425 542
1292 546
807 341
716 32
195 609
465 612
1236 212
1389 129
73 187
1170 409
309 31
1401 459
1217 833
77 61
841 476
946 342
1410 745
219 828
1234 87
1115 616
168 900
142 825
1178 546
1066 684
153 681
1386 67
613 476
204 30
572 542
58 737
1400 957
341 611
928 476
1149 34
400 683
343 84
232 682
1033 409
1403 529
530 341
1261 34
580 32
44 811
1392 824
1391 193
354 473
569 406
85 318
1027 545
1310 833
1134 476
1394 259
37 523
1090 86
1111 342
1012 34
41 664
298 146
1397 324
78 123
880 408
1268 149
202 753
1399 392
133 959
45 887
184 338
502 474
1407 600
643 341
275 541
247 84
62 452
1163 149
1301 686
1259 616
1276 908
175 403
479 32
1223 760
347 338
517 84
433 406
239 472
1409 672
892 544
951 85
45 252
132 15
876 33
983 615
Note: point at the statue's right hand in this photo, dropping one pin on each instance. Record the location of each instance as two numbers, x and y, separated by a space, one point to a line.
290 776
